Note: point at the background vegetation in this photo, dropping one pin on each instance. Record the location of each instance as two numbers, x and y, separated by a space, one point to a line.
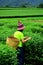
33 49
20 11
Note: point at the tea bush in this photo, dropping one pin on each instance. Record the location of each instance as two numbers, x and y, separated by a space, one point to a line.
33 50
8 56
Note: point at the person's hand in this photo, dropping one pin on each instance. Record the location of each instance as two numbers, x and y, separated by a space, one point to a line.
25 37
29 38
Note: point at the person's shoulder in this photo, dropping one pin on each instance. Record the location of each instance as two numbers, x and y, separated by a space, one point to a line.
17 32
20 32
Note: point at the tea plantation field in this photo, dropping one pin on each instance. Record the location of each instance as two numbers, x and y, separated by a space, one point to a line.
20 11
33 49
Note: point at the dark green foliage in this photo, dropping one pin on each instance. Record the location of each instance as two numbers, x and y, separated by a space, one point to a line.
40 5
1 24
11 26
38 30
23 6
8 56
33 50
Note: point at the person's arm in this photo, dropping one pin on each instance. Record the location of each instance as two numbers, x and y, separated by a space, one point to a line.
26 39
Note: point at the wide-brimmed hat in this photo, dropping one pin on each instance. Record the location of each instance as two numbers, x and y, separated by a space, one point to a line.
20 26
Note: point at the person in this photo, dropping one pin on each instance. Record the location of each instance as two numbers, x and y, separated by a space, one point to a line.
22 39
